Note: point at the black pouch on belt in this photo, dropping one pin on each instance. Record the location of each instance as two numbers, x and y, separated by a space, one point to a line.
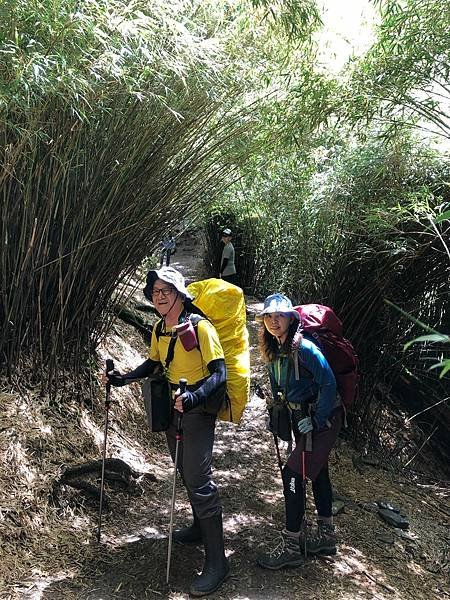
280 417
280 422
157 393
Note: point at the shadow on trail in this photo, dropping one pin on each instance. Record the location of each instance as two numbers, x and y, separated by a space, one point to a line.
137 570
132 565
134 570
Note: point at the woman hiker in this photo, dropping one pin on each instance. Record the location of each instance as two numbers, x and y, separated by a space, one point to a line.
204 369
299 371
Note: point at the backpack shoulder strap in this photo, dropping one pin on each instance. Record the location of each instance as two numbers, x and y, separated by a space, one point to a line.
296 365
195 319
158 329
299 365
171 348
170 352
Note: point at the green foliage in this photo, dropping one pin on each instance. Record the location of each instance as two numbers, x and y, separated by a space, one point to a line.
75 51
348 227
445 216
118 120
297 18
433 337
404 76
112 120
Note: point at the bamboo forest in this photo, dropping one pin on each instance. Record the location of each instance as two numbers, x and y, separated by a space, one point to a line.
224 299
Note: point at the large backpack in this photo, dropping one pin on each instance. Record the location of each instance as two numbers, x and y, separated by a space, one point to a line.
323 327
223 304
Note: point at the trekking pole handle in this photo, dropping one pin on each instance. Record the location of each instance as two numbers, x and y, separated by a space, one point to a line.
306 412
109 365
109 368
182 386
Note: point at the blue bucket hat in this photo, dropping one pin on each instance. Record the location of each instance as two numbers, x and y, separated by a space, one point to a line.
278 303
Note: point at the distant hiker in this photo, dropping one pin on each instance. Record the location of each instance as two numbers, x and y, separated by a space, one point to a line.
204 368
300 374
227 266
168 248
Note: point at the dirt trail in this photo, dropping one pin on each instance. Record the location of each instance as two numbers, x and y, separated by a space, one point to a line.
132 560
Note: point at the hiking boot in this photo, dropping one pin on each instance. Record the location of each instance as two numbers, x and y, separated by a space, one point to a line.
322 541
285 554
305 533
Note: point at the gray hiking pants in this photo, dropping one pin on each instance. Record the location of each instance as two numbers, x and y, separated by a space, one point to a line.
195 459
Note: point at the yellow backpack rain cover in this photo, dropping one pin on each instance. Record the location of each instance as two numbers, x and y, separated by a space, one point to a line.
224 305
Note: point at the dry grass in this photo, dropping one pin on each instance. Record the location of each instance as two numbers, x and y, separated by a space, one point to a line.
48 548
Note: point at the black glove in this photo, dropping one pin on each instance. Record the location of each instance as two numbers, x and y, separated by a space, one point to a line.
190 400
116 379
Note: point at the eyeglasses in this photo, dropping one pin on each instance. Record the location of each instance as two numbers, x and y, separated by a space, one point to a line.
164 291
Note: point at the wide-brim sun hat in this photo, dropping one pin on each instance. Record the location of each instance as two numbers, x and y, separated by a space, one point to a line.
278 303
169 275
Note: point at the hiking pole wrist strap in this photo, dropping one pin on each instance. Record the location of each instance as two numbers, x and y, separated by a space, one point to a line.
306 410
308 442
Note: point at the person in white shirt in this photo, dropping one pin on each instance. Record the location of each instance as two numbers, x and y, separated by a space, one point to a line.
227 265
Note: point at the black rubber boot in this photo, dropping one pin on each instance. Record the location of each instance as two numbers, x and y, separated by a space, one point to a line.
216 568
188 535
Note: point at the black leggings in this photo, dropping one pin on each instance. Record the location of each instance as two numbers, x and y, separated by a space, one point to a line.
323 493
294 496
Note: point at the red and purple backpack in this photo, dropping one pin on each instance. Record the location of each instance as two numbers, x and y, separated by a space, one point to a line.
324 328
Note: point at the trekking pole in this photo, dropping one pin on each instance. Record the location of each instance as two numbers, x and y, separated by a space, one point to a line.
307 447
275 439
305 521
277 448
109 368
178 437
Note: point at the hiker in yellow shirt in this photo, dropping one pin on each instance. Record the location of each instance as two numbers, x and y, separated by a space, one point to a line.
203 366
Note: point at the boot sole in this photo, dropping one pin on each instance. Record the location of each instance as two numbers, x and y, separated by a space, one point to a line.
292 565
323 551
199 594
187 542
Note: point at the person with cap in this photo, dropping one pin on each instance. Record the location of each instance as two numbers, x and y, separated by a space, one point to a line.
227 261
299 371
168 248
204 369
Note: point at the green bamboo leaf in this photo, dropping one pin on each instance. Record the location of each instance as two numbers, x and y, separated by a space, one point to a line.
432 338
446 369
413 319
445 365
445 216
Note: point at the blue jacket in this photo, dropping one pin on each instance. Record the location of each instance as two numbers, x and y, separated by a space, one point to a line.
315 384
